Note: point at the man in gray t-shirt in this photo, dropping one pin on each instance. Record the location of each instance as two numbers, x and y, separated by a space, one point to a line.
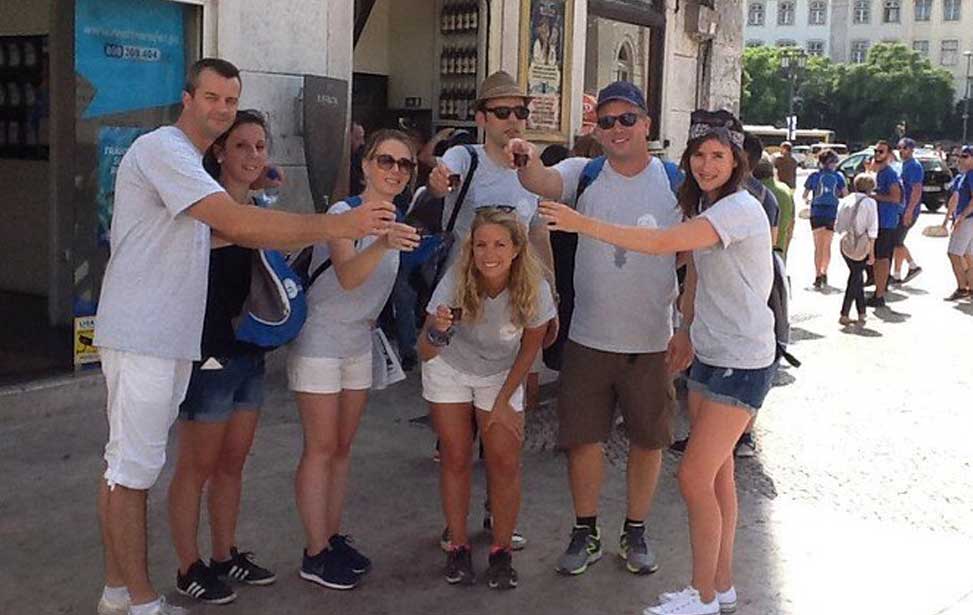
621 327
153 296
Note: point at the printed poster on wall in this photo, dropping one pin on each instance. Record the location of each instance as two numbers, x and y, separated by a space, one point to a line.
131 55
84 341
113 142
545 55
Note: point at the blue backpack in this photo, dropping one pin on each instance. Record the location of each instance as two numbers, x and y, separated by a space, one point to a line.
564 254
826 192
276 307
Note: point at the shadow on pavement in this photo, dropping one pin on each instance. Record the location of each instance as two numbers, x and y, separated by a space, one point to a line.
887 314
894 297
860 331
799 334
966 308
912 290
783 378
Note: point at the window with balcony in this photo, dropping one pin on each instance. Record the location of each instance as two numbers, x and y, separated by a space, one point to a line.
859 51
755 15
923 10
815 48
817 13
949 52
862 12
785 13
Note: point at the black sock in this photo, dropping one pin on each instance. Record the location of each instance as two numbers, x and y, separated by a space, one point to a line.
633 523
591 522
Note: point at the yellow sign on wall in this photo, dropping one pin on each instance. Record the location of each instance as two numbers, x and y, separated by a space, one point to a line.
84 336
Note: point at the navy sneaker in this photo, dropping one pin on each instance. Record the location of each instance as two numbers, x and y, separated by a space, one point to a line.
459 566
501 573
328 570
341 545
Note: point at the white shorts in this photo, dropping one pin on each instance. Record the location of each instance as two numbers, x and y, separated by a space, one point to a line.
324 375
961 241
443 384
144 394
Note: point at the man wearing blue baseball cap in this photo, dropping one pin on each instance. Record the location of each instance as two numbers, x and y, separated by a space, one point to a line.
620 349
911 176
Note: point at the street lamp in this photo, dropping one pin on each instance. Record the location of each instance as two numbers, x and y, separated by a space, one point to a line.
966 96
792 62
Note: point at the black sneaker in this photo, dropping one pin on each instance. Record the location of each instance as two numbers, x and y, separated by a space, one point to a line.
328 570
817 281
459 566
501 573
679 446
958 294
341 545
200 582
875 302
894 281
241 567
913 272
745 446
409 362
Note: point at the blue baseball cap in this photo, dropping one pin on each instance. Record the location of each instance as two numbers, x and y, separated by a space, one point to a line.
622 90
967 149
907 143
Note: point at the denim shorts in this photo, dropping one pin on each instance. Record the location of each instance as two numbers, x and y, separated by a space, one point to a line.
743 388
214 394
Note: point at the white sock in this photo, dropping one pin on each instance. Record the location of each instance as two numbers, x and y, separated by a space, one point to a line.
115 594
149 608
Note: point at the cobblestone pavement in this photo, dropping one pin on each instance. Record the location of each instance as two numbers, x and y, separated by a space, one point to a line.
859 500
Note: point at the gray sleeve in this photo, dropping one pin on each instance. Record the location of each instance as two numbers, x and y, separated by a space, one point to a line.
736 218
443 295
174 169
570 170
771 207
546 309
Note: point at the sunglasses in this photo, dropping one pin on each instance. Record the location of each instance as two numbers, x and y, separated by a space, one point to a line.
965 155
505 209
627 119
502 113
386 162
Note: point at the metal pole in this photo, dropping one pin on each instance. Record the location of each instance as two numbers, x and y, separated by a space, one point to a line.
790 106
966 97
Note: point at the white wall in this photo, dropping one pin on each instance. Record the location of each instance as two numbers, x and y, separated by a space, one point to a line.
274 49
412 47
373 49
24 235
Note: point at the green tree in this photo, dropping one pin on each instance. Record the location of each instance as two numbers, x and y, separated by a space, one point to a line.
861 102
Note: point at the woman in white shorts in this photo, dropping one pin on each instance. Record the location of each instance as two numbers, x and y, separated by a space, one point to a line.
330 363
487 319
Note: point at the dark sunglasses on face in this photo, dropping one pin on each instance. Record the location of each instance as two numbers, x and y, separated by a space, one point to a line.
506 209
502 113
627 119
965 155
386 162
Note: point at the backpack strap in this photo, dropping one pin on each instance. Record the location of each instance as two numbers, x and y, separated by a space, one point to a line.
675 176
474 161
590 172
353 202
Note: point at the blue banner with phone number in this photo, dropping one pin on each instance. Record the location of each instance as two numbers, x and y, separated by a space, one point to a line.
131 53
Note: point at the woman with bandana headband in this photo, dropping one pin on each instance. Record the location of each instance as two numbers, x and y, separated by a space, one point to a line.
732 330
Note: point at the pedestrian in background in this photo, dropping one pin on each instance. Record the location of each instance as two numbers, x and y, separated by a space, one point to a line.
764 171
330 363
960 249
858 220
486 321
825 187
888 195
786 165
727 289
912 176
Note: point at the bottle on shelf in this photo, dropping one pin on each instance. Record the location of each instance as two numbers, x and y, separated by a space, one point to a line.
474 16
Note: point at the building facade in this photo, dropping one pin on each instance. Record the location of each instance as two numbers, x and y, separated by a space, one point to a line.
844 30
104 71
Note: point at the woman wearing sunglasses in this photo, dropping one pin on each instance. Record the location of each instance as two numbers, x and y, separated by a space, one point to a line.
218 418
732 331
330 364
486 321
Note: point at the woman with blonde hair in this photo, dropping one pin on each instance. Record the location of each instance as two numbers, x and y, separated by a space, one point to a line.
486 322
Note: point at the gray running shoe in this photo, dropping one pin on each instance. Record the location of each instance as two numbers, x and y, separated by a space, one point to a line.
633 548
583 550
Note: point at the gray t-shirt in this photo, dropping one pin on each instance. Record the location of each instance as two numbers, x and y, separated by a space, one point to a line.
339 322
490 345
153 296
766 198
623 299
733 326
492 185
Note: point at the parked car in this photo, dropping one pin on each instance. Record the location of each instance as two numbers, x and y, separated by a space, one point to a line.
934 184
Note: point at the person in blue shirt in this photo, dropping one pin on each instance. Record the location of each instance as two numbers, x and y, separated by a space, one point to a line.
888 195
960 250
912 176
824 187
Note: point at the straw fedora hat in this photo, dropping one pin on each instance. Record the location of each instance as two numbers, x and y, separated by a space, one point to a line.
500 85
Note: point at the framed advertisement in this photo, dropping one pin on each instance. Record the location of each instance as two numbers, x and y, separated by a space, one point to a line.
546 31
